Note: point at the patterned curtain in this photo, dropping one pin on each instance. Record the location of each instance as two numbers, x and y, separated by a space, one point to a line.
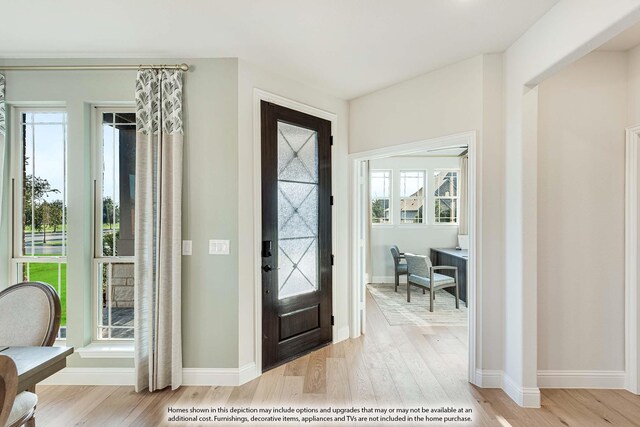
3 128
158 333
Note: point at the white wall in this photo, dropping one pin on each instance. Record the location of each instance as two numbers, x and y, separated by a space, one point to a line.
633 92
439 103
414 238
581 160
250 77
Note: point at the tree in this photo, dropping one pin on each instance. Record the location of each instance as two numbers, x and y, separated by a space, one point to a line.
378 207
109 211
55 214
34 191
108 244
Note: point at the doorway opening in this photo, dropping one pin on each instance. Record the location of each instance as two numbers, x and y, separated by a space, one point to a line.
414 211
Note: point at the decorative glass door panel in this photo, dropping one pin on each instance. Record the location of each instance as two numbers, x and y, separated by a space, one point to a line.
297 210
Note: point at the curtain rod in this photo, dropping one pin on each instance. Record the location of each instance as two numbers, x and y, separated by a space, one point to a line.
183 67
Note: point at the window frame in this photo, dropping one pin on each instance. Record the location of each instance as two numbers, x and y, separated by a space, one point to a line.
435 198
425 182
96 224
390 197
16 198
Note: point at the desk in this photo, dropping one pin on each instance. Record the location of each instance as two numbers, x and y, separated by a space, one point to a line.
37 363
454 258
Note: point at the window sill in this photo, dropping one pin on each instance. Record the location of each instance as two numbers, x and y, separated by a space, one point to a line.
99 350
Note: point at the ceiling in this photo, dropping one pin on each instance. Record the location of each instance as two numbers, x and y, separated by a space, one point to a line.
344 47
626 40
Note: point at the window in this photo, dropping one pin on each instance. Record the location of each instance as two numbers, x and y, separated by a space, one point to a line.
446 197
380 197
114 167
412 197
40 201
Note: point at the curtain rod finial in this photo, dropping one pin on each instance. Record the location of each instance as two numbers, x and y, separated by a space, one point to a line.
184 67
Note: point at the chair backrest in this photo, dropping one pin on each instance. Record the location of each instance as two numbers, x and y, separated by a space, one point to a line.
29 315
8 387
395 253
419 265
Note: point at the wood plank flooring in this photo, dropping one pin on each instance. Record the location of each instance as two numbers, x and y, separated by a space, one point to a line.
392 366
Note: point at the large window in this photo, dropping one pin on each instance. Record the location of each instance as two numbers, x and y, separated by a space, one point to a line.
114 167
446 196
40 201
412 197
380 196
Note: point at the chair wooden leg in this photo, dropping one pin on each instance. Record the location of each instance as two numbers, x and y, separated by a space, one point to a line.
31 422
431 299
397 281
424 291
408 291
457 297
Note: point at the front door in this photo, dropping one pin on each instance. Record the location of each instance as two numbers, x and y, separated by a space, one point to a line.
296 234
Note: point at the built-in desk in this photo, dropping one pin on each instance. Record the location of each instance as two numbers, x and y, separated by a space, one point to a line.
454 258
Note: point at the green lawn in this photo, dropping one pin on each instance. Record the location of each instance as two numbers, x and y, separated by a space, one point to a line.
48 273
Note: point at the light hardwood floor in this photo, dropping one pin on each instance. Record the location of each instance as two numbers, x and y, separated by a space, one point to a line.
390 366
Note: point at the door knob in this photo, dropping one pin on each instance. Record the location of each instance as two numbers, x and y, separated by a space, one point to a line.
267 268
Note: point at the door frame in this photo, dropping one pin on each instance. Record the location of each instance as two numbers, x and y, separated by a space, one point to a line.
256 257
474 287
631 291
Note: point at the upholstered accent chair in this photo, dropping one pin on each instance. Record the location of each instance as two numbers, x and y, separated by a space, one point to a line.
29 315
399 267
422 273
15 410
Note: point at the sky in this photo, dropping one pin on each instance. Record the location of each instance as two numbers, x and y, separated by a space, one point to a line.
46 150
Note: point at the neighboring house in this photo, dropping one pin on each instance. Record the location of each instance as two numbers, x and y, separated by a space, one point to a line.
412 206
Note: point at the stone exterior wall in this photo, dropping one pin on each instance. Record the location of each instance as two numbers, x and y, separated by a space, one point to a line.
122 285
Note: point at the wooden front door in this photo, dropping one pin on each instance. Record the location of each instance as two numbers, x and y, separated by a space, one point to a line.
296 234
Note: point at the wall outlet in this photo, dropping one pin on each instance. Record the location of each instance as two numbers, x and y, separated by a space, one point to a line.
218 247
187 246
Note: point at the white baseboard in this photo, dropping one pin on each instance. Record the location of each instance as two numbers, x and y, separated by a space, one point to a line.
247 373
219 376
92 376
340 334
488 378
527 397
581 379
388 279
125 376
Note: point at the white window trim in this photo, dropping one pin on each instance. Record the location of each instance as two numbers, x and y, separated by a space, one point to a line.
390 223
102 346
434 198
107 350
425 216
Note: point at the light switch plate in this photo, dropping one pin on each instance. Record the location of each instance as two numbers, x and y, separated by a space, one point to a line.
218 247
187 246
